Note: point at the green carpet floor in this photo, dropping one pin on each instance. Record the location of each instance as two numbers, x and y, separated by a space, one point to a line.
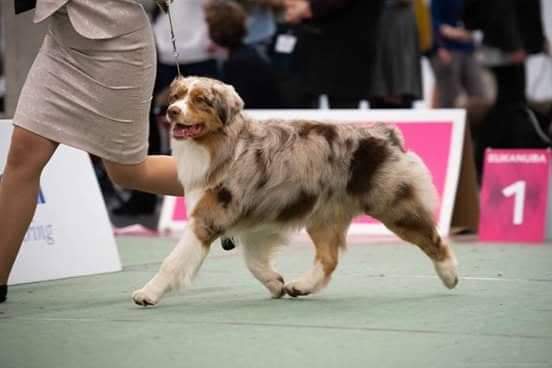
384 308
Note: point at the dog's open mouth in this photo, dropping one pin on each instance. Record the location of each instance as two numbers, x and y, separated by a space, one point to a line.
181 131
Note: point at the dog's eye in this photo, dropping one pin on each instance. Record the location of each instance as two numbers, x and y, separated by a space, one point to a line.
177 94
202 100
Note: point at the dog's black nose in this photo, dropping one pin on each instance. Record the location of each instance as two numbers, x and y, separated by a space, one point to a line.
173 111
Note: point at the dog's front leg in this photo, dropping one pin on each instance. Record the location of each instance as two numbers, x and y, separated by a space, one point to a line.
177 270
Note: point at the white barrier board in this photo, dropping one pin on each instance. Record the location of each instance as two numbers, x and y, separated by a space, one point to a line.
70 234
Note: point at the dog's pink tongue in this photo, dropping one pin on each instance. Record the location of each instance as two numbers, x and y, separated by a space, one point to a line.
179 131
183 131
194 130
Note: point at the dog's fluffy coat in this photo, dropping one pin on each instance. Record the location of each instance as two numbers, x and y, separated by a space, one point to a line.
257 181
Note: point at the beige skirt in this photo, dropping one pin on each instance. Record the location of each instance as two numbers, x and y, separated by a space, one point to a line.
94 95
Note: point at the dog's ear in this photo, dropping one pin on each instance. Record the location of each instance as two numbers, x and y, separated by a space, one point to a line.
178 81
227 102
177 84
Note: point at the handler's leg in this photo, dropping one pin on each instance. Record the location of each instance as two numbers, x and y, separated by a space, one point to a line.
19 188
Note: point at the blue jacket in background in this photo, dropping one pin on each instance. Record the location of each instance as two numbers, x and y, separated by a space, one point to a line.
448 12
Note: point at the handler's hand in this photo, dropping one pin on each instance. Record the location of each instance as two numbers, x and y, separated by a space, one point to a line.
163 4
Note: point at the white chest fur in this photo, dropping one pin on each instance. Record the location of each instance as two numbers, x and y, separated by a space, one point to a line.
193 162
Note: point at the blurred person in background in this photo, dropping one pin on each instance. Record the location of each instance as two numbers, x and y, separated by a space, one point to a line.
424 26
397 75
456 69
195 57
512 30
334 51
244 68
261 23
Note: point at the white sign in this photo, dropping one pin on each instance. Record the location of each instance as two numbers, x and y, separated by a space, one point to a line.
70 234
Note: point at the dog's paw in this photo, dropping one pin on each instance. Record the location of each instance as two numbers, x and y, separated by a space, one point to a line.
447 272
276 287
297 288
141 297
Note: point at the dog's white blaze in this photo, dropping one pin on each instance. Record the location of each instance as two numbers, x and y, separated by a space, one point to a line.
193 162
182 104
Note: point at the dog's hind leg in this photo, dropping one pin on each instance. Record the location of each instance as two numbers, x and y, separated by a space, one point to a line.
258 250
405 205
418 227
328 239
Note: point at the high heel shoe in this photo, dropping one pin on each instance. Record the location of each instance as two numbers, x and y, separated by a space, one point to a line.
3 293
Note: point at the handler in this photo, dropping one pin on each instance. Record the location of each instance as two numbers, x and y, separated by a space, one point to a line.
90 87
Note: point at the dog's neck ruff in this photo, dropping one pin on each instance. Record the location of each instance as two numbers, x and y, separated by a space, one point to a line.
193 160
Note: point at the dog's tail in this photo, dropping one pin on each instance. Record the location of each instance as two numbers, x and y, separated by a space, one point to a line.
422 181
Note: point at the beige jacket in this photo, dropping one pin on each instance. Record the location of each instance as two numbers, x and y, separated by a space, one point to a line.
96 19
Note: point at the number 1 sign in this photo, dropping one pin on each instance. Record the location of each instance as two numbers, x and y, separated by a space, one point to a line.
515 195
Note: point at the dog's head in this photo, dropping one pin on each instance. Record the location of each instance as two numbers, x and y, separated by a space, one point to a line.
201 106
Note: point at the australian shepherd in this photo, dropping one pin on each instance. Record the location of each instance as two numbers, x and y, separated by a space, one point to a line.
258 181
